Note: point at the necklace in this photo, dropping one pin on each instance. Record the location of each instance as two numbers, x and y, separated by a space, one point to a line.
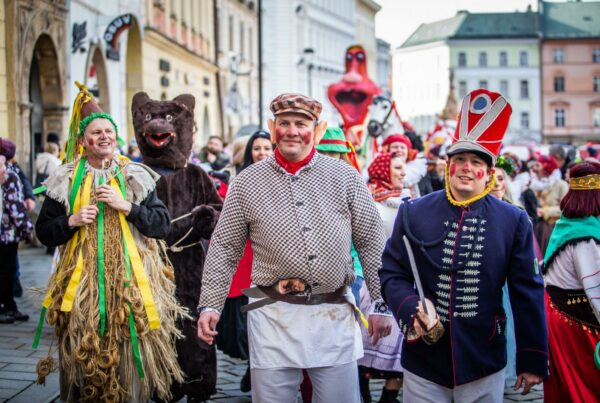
465 203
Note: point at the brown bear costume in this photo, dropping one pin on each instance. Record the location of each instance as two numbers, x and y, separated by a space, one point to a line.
164 131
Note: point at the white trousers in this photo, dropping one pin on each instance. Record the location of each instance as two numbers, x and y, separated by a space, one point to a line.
330 384
489 389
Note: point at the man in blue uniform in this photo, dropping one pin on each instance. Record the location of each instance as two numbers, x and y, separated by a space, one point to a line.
467 248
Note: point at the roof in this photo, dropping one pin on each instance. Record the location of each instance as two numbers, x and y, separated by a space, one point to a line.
435 31
498 25
570 20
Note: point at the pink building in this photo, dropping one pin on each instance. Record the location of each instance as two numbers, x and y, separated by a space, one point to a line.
570 63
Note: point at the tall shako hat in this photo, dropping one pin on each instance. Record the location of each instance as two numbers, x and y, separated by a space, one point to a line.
85 109
481 125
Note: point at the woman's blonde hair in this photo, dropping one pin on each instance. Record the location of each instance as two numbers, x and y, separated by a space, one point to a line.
52 148
237 150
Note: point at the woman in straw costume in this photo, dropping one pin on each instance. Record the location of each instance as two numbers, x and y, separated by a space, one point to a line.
111 299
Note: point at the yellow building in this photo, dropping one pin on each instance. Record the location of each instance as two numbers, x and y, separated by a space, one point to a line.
177 56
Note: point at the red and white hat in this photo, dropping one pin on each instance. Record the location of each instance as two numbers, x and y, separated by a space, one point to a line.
481 124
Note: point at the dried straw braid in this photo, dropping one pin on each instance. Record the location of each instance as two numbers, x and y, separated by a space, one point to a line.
103 367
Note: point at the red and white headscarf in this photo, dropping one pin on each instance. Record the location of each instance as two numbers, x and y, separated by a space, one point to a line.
380 178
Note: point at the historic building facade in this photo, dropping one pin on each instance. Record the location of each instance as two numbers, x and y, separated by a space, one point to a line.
570 54
178 55
237 57
33 95
304 47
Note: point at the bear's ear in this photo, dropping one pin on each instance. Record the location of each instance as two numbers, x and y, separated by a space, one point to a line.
188 100
139 99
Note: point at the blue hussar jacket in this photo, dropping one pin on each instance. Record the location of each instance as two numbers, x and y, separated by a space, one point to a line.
464 257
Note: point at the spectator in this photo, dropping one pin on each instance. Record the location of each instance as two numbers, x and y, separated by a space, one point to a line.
133 152
46 162
8 149
236 164
213 154
15 226
558 153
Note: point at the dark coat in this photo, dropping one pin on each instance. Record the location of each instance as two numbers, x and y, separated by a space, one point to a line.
181 190
464 257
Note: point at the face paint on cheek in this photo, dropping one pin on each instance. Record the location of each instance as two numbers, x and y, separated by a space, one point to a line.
306 137
90 142
479 174
452 169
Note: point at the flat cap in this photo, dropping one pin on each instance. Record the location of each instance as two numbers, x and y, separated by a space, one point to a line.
296 103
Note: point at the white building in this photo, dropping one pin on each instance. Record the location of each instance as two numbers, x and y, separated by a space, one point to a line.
95 27
421 72
303 48
383 65
238 64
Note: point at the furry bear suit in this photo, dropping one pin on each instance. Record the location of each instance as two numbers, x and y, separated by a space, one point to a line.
164 131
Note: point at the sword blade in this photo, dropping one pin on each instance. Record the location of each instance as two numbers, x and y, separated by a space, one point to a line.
413 266
257 304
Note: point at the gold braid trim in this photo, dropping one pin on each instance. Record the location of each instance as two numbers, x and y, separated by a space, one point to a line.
588 182
465 203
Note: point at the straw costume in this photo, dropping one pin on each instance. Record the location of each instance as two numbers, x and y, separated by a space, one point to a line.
111 299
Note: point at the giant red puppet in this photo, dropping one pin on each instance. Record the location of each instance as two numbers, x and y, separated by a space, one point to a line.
353 94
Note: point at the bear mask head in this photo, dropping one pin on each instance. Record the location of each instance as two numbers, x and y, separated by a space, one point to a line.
164 130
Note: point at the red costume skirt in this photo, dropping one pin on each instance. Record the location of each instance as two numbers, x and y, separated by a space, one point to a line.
573 375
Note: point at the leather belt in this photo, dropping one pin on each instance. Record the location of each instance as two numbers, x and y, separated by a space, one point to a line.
270 295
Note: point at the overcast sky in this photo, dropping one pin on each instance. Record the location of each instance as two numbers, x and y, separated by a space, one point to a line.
398 19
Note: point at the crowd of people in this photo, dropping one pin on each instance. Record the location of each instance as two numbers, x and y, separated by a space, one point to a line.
449 276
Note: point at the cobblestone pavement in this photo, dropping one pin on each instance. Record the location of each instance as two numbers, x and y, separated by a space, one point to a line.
18 360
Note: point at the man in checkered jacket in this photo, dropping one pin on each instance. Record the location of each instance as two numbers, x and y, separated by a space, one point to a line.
301 211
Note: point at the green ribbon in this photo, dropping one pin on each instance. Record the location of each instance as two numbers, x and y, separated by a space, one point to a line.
38 332
79 173
137 356
597 356
136 348
101 287
39 189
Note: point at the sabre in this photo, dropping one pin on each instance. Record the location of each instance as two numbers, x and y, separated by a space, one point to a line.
413 266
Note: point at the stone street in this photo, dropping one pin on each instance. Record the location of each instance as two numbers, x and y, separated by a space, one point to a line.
18 360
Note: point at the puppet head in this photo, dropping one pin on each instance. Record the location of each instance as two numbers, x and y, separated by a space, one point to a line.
164 130
353 94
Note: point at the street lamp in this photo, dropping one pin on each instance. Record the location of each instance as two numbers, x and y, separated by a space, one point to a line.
309 54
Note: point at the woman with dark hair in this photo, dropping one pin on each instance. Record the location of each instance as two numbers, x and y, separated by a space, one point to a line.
258 148
233 337
572 277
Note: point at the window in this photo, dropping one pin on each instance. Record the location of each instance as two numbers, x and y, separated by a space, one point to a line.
558 56
523 58
524 120
524 89
462 89
559 84
503 59
462 59
559 117
231 33
596 55
483 84
596 117
242 37
482 59
596 83
504 87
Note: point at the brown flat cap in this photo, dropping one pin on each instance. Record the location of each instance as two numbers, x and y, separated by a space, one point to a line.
296 103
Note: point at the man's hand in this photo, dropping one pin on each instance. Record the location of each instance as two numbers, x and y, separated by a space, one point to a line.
530 380
379 326
29 205
206 326
423 319
86 215
111 197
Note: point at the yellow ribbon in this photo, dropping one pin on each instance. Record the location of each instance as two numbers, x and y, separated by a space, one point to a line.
76 206
69 297
138 269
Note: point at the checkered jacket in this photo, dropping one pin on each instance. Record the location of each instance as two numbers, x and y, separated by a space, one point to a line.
300 226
